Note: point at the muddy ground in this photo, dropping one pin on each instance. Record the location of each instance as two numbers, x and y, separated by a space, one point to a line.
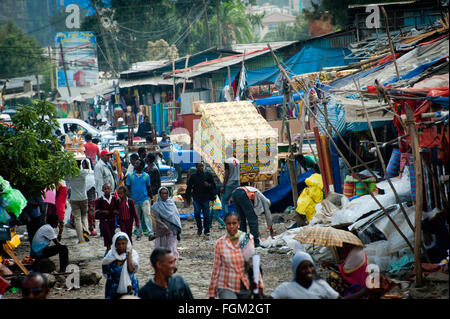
196 262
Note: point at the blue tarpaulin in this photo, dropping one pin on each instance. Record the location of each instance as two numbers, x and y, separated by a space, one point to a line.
277 99
308 59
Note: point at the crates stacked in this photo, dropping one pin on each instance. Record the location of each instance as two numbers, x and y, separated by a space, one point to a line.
239 125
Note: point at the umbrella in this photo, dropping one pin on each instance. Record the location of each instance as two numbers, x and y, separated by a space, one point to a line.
327 236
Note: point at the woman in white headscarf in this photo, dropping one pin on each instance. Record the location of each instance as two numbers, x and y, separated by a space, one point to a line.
305 284
119 267
168 224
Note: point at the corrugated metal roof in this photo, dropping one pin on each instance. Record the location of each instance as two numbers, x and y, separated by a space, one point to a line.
146 66
351 6
217 64
156 80
242 47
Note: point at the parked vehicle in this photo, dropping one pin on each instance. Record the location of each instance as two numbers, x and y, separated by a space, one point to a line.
70 126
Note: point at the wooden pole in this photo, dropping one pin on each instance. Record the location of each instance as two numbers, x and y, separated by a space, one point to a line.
390 43
240 77
207 25
52 73
380 157
291 158
104 38
64 67
230 88
174 83
411 123
219 35
185 67
16 260
38 87
283 72
321 160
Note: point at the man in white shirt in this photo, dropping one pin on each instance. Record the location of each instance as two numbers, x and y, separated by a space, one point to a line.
40 245
304 284
104 173
79 199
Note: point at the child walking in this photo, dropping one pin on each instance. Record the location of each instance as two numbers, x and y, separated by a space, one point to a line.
105 211
126 213
215 207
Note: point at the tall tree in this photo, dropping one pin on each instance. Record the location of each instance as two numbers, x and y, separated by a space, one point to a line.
20 55
32 157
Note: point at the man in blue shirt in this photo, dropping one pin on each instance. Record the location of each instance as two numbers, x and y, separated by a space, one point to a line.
138 183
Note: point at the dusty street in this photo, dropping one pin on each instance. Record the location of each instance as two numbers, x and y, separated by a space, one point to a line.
195 263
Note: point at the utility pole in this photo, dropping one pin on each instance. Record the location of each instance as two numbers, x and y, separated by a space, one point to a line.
207 25
64 67
52 81
105 40
219 36
291 159
38 87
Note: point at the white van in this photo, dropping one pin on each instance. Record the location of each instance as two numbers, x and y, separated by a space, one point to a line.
69 125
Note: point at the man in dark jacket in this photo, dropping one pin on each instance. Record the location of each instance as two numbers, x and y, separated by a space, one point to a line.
203 189
165 285
155 177
145 128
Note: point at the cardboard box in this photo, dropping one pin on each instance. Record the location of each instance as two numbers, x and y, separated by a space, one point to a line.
239 125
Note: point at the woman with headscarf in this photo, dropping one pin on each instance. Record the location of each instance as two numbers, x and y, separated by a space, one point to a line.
350 276
168 224
305 284
119 266
231 276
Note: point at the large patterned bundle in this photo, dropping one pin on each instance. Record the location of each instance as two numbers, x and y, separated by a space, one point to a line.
239 125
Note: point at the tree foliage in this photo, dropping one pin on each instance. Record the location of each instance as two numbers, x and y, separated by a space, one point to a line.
284 32
338 10
32 157
20 54
180 24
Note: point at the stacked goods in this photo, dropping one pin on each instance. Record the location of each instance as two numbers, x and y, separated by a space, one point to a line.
196 106
306 81
74 144
239 125
260 91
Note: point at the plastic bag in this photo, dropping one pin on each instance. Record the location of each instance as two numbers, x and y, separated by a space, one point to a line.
15 202
310 196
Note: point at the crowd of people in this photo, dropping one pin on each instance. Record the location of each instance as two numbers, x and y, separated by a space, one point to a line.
141 207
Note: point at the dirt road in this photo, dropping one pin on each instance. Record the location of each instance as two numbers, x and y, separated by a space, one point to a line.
195 262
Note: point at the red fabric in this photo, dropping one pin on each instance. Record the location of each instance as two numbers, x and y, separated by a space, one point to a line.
60 202
435 40
92 150
357 276
388 58
128 212
3 285
101 204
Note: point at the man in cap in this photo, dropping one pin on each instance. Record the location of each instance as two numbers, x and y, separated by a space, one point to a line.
104 172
